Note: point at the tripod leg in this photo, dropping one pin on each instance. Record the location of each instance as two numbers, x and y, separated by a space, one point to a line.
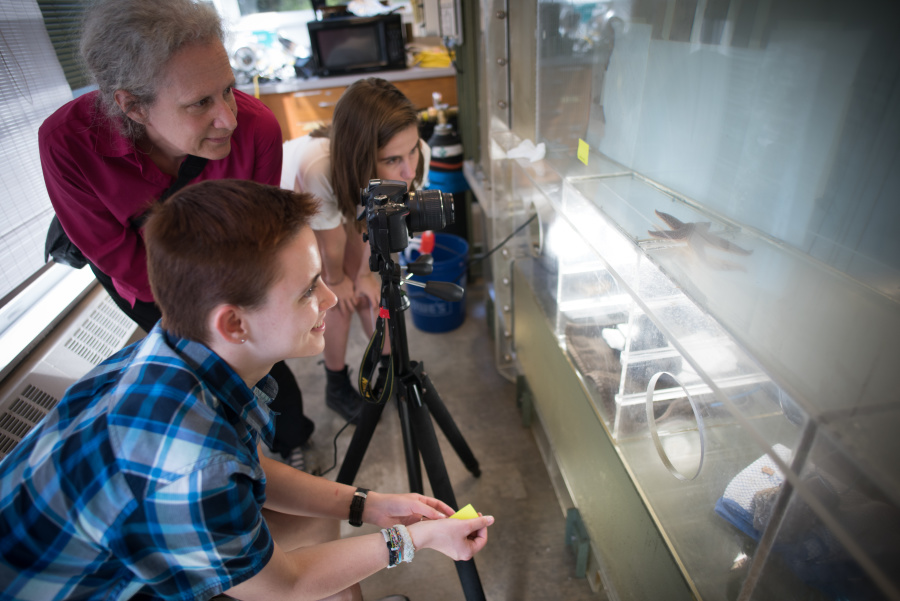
371 413
471 583
445 422
410 449
440 483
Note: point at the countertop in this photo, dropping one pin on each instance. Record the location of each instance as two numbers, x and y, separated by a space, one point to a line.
315 83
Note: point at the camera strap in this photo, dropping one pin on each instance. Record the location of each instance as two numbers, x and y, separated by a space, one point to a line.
371 360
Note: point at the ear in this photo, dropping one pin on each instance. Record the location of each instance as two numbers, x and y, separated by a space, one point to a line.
130 106
226 324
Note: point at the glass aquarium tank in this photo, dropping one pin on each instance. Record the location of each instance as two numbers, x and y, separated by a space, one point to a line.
710 242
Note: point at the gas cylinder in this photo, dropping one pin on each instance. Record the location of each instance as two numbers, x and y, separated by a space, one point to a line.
445 168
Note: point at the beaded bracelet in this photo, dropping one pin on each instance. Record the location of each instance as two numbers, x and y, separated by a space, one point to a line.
399 544
392 538
409 550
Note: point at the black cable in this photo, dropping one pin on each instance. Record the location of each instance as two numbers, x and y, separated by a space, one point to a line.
505 240
334 444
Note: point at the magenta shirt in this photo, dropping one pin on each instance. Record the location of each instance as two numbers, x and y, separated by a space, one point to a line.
98 181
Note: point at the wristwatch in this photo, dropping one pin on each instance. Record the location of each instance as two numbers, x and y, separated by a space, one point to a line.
357 505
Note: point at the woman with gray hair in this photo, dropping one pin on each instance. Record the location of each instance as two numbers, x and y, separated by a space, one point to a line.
165 113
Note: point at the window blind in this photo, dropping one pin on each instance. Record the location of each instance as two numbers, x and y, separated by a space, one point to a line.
63 21
32 86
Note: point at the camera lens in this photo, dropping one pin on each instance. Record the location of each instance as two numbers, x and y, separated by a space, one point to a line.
430 210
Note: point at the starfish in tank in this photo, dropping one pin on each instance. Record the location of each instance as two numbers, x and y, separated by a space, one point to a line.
698 237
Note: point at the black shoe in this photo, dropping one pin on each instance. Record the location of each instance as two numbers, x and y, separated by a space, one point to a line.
340 396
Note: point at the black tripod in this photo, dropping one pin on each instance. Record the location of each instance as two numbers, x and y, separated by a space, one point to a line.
417 401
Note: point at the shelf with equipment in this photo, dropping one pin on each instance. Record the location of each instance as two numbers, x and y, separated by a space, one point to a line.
303 105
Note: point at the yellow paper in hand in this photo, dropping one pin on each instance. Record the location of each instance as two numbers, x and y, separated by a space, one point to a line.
466 513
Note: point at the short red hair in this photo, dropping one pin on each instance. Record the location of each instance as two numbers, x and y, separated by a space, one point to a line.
216 242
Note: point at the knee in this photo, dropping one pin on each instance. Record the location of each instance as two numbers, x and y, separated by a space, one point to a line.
293 532
353 593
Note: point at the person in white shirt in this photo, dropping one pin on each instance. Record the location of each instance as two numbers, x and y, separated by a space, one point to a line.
374 135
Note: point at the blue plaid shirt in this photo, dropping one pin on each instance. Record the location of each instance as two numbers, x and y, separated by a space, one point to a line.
144 482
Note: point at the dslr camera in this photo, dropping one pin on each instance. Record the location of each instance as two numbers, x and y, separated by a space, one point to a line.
392 215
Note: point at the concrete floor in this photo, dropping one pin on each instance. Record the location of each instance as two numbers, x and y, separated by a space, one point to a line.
526 558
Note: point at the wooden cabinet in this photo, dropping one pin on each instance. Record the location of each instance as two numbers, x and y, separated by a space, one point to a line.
302 111
420 90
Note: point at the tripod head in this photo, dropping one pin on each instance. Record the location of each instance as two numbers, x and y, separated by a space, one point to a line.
393 215
424 265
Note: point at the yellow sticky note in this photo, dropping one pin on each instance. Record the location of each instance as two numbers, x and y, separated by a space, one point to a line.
466 513
583 151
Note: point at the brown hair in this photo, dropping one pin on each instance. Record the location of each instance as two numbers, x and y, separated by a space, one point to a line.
366 117
216 242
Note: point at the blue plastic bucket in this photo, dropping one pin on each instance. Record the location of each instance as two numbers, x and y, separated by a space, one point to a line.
430 313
